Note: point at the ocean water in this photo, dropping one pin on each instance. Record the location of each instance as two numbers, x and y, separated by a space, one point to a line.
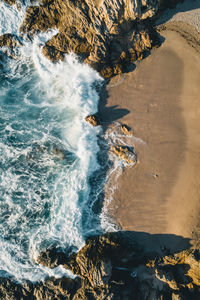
48 153
54 165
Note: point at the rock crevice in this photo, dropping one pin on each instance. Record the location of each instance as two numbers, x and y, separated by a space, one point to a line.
105 34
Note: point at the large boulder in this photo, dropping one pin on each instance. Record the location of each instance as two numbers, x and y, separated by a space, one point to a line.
125 153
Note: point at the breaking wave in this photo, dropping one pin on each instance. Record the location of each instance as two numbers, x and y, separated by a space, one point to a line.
48 153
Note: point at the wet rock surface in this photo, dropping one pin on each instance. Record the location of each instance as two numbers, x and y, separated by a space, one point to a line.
108 35
125 153
125 129
9 40
105 34
114 266
10 2
93 120
9 43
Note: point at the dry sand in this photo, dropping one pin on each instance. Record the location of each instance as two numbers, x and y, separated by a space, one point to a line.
160 101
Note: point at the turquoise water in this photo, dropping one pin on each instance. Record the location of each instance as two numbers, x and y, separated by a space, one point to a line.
48 155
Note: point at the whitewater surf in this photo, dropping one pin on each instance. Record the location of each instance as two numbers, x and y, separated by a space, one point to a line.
48 153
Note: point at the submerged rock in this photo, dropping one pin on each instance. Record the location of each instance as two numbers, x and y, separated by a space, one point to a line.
93 120
59 153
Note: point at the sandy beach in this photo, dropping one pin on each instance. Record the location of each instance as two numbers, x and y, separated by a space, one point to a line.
160 101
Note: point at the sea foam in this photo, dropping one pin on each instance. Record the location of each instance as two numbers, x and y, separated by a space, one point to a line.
48 154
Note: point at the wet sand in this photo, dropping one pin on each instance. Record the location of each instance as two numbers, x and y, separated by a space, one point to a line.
160 101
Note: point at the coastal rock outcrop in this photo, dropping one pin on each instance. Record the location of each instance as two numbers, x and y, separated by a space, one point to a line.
105 34
114 266
125 153
93 120
52 258
9 40
10 43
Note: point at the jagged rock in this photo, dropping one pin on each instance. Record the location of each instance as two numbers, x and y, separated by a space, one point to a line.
104 267
9 290
125 153
95 294
52 258
125 129
93 120
106 262
10 2
52 288
9 40
189 260
180 274
105 34
95 261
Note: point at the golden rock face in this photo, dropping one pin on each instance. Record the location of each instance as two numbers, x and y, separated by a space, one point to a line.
93 120
105 34
125 153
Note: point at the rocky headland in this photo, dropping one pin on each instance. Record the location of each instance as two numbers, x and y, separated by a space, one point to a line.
122 265
108 35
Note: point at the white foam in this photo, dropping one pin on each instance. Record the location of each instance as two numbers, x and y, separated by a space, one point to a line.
11 17
63 89
115 136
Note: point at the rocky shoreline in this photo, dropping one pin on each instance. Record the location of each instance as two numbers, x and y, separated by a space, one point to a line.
109 36
117 266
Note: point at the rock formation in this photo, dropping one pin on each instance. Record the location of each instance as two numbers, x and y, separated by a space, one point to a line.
125 153
114 266
125 129
106 34
93 120
118 267
9 40
10 2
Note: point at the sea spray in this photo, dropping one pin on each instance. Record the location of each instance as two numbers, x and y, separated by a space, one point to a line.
114 135
48 153
11 17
